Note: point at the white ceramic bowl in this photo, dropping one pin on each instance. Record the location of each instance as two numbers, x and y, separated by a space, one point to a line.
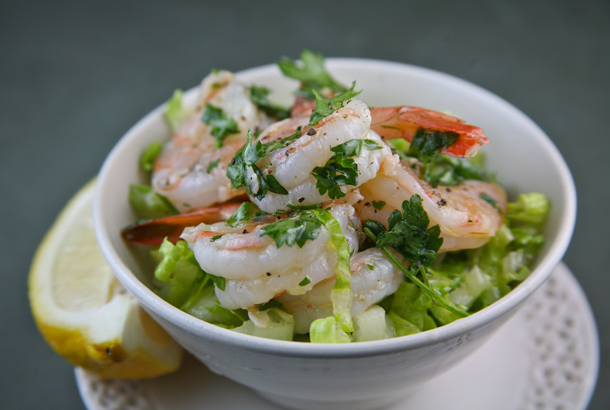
368 374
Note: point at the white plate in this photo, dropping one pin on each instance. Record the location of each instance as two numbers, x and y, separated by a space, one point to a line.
545 357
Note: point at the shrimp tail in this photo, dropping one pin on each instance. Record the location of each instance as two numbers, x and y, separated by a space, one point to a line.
404 121
153 232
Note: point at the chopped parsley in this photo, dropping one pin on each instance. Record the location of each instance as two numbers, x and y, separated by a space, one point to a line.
439 169
244 213
258 95
378 205
215 238
450 171
219 281
245 158
213 165
291 231
327 106
340 169
409 235
269 305
281 143
311 73
427 144
221 125
485 197
304 282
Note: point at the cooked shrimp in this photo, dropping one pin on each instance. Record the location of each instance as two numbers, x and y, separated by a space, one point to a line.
255 269
466 220
404 121
153 232
191 170
293 164
373 278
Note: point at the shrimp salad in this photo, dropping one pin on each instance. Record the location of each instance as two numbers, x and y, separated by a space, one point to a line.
329 221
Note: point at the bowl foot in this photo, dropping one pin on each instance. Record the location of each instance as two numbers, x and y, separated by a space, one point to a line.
376 403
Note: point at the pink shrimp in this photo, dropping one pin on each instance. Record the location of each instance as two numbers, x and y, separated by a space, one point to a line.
404 121
153 232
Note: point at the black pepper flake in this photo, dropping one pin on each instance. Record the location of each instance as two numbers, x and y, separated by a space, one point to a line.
268 273
367 204
301 200
442 202
311 131
245 231
448 189
233 161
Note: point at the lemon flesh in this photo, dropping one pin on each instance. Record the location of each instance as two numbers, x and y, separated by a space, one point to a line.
84 313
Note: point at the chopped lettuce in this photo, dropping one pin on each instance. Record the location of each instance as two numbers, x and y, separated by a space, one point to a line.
175 113
370 325
206 307
185 285
531 208
341 295
149 155
327 330
279 326
148 204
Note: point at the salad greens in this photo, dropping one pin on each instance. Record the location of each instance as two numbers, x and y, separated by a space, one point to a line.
175 113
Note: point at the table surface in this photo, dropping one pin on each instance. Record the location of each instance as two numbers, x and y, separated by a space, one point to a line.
74 76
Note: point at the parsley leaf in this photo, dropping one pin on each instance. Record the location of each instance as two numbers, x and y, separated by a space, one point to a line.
450 171
213 165
221 125
291 231
378 205
269 305
337 172
409 235
245 158
340 169
327 106
489 200
258 95
305 282
353 148
244 213
426 143
311 72
219 281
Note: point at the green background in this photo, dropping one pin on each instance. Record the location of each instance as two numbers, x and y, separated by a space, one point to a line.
74 76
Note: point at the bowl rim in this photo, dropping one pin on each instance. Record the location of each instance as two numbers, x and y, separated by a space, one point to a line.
199 328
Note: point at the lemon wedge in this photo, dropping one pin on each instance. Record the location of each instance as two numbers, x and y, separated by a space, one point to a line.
84 313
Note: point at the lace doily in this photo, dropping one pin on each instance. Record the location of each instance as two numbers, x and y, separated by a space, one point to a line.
560 346
559 354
